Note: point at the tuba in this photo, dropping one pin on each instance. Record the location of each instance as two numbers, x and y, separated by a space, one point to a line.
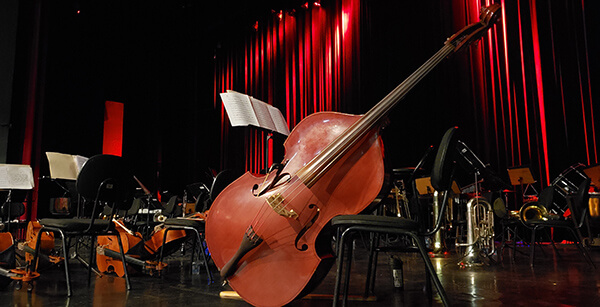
480 231
533 211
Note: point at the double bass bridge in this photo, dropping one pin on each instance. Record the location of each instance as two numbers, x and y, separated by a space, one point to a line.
276 202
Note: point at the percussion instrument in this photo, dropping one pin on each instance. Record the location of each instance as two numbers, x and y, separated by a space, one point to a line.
566 183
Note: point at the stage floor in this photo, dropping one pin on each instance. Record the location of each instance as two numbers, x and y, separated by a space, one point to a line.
563 279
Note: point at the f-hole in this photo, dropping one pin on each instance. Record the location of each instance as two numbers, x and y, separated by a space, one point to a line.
306 227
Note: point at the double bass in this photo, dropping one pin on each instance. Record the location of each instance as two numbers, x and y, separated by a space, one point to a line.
268 235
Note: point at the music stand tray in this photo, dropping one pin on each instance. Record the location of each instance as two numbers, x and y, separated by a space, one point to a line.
424 186
520 176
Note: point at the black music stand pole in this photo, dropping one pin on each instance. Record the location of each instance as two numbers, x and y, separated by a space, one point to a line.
269 136
521 176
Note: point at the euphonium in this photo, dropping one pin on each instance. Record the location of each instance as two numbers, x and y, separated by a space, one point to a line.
480 231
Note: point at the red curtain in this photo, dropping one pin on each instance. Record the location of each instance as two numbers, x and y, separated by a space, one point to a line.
300 60
530 77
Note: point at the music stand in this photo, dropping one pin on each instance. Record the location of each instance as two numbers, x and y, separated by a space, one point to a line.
14 177
593 172
64 169
520 176
424 186
244 110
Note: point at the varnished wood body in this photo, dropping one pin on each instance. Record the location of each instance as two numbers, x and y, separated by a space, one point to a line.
278 270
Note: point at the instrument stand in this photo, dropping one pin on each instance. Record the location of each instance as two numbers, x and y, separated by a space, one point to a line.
509 234
7 201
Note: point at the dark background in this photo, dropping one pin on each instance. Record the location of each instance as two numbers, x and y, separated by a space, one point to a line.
157 58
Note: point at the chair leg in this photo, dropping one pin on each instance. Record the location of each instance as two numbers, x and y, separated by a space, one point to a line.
127 282
514 242
427 286
340 260
374 274
430 269
204 257
162 250
371 263
91 259
65 255
581 248
348 269
532 248
193 253
553 244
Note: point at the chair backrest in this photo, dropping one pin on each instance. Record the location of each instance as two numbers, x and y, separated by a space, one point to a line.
442 173
546 197
443 166
169 207
106 178
580 202
220 182
136 204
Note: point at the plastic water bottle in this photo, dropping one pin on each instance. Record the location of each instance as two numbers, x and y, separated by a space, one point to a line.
397 272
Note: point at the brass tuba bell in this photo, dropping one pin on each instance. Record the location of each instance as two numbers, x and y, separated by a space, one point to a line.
533 211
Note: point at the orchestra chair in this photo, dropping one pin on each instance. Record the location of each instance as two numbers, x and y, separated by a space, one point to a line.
105 180
348 225
196 226
578 205
510 226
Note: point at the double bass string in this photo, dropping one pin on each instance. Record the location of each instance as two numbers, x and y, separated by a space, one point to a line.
354 132
266 212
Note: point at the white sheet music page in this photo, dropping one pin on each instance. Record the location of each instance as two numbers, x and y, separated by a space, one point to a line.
79 162
261 109
279 121
16 177
239 109
62 166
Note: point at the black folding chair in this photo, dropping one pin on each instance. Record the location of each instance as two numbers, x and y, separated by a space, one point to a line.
578 205
441 180
105 180
196 226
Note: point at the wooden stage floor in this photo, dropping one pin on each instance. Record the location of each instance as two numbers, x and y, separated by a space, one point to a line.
557 279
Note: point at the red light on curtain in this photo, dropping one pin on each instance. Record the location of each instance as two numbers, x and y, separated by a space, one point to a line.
301 63
113 128
540 87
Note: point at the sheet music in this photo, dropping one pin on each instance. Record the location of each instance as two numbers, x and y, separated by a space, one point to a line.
279 121
16 177
244 110
262 113
239 109
65 166
79 162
